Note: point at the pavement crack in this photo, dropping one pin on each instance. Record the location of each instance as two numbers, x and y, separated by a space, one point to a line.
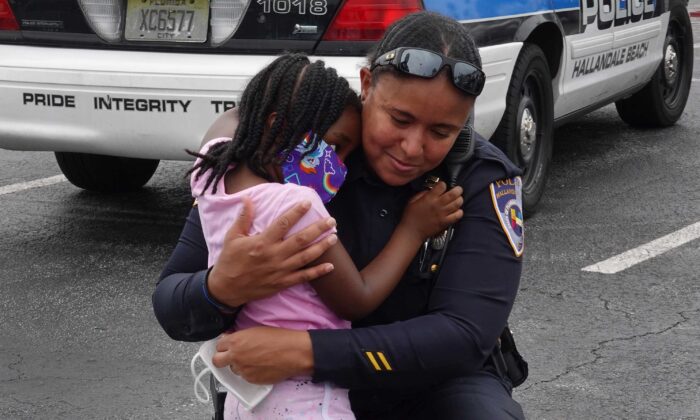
12 367
18 401
601 344
606 305
82 379
554 295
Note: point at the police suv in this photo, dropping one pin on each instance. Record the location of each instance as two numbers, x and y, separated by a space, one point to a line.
114 86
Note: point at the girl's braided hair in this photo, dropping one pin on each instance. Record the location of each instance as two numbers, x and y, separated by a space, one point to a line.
430 31
303 95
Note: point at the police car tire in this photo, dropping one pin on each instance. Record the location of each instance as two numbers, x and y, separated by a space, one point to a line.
530 88
651 106
102 173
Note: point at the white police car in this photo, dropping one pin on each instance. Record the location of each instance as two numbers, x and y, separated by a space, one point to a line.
113 86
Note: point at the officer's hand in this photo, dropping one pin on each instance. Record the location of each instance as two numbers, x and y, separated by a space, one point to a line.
253 267
265 355
430 212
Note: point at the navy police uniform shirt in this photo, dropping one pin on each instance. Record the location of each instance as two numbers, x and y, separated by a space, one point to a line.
422 334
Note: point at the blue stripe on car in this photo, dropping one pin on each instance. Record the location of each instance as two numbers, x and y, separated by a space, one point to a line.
476 9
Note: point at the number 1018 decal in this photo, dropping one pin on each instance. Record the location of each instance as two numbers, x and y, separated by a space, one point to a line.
314 7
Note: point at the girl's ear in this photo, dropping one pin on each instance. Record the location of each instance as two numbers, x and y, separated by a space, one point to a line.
365 83
270 120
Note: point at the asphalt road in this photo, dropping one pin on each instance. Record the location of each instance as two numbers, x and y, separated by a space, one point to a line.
77 269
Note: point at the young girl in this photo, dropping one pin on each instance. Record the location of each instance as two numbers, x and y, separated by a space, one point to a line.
298 122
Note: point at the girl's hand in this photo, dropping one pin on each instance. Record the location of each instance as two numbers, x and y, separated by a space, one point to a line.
430 212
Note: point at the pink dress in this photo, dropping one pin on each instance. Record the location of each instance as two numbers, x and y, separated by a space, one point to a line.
298 307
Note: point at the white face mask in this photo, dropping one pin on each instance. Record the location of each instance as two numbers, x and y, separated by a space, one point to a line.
248 394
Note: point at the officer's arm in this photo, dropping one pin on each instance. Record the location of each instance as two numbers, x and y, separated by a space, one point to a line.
180 302
468 309
249 268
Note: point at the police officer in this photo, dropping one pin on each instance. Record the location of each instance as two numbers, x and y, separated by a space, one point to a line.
426 351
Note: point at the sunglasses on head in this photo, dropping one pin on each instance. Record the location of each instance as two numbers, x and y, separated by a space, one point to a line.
427 64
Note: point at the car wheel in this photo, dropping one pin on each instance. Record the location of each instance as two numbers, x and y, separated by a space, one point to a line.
105 173
661 102
526 129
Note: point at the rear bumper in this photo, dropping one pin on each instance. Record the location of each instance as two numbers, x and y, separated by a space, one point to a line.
152 104
122 103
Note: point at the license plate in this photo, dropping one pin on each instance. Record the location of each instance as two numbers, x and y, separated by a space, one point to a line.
167 20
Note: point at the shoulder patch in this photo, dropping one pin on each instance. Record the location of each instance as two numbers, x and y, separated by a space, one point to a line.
507 197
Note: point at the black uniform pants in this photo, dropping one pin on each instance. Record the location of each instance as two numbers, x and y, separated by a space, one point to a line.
480 396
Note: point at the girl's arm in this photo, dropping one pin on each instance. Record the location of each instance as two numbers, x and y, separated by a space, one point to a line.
352 294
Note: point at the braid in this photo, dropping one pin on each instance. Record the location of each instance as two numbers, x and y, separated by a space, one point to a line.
430 31
282 88
323 79
303 96
336 102
309 104
299 121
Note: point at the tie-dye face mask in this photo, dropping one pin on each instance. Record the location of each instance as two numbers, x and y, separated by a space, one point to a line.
321 169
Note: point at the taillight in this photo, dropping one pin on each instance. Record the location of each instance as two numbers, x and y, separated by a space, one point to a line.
7 18
104 17
226 15
363 20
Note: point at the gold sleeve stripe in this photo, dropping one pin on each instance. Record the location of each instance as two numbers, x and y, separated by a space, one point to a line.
371 358
384 361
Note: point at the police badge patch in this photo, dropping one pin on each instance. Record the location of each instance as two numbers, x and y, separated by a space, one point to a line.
507 196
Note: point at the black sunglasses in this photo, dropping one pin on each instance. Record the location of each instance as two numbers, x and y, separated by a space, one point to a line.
427 64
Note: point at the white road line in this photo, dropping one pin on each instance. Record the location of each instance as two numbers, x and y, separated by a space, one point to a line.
649 250
7 189
696 46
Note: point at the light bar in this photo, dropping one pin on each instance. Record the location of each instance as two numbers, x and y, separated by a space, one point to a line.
104 17
226 16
